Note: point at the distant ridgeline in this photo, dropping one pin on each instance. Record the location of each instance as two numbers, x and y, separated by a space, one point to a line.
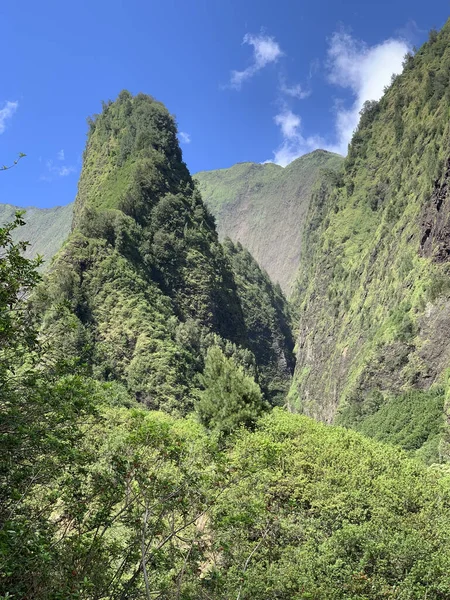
45 229
142 287
264 207
372 297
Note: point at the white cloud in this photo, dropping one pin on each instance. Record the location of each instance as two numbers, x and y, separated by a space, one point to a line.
265 51
55 170
6 113
294 91
66 170
365 71
353 65
185 138
289 123
294 144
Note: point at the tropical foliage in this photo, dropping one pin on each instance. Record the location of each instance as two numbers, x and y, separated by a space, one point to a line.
142 288
141 452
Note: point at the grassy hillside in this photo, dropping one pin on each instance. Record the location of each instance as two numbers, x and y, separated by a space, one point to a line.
45 229
264 206
372 296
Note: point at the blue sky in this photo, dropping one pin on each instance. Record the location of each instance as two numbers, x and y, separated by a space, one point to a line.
248 80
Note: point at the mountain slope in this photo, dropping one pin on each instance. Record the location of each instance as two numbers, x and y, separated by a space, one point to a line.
264 206
142 287
45 229
372 297
267 320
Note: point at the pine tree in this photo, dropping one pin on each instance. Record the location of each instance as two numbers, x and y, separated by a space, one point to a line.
230 397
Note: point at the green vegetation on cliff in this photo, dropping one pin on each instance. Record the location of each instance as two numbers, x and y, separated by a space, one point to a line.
372 297
104 497
265 206
413 421
105 500
268 322
142 288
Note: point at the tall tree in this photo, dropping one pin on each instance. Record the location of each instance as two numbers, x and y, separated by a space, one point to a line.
230 398
40 408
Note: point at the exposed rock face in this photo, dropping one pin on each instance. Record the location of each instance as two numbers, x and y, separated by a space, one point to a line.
435 226
434 333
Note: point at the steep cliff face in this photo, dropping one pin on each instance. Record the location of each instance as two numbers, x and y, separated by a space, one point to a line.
372 296
264 207
267 320
142 287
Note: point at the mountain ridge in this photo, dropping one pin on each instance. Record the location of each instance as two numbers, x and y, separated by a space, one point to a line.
45 229
264 206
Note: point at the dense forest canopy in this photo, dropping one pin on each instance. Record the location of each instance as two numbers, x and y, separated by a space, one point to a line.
103 498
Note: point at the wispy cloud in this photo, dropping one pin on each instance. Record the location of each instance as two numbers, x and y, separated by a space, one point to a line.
6 113
411 32
185 138
289 123
66 170
365 71
265 51
55 170
294 91
294 143
351 64
314 67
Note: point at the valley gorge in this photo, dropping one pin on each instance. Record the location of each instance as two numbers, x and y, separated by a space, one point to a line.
234 384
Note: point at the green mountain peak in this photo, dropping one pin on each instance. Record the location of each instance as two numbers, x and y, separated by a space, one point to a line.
145 284
132 145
